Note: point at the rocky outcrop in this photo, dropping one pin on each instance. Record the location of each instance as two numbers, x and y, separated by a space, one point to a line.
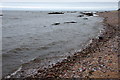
88 14
56 13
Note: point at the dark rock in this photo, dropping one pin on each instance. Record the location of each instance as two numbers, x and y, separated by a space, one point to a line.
107 11
22 71
71 22
45 26
57 23
100 38
119 9
73 59
1 14
85 18
90 72
71 11
109 37
80 15
88 14
118 55
56 13
68 57
39 71
100 57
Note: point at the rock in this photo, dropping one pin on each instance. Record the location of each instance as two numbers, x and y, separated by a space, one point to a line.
73 11
90 72
85 18
57 23
106 11
100 38
88 14
100 57
56 13
1 14
44 26
119 9
80 16
71 22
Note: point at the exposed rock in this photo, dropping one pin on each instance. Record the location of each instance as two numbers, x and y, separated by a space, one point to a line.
71 22
80 16
44 26
119 9
85 18
71 11
56 13
57 23
88 14
1 14
100 38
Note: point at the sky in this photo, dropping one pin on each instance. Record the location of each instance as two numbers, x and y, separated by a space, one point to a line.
60 0
59 4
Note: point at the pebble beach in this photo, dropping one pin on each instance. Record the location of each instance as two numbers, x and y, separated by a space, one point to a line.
98 60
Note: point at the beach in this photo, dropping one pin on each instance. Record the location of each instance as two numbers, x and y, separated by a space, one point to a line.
98 60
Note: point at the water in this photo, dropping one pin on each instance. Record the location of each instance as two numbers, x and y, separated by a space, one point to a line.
31 34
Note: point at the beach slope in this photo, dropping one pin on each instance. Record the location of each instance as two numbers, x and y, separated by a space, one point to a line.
98 60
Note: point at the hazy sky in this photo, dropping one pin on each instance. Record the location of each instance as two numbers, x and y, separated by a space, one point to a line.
60 0
61 4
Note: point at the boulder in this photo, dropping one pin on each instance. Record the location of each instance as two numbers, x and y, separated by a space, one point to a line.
88 14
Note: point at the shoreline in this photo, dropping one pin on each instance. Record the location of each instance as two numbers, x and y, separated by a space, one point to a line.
78 63
65 69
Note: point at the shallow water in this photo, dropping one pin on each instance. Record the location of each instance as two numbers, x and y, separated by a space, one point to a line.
27 35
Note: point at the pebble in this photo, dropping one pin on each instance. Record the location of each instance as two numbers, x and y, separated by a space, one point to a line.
80 69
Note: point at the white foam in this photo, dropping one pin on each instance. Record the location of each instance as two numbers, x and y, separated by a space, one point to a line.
95 15
14 73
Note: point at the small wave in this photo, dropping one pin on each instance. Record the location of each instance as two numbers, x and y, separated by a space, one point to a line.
16 50
14 73
42 48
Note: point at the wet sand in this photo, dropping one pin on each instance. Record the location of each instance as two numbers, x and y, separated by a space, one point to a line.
98 60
